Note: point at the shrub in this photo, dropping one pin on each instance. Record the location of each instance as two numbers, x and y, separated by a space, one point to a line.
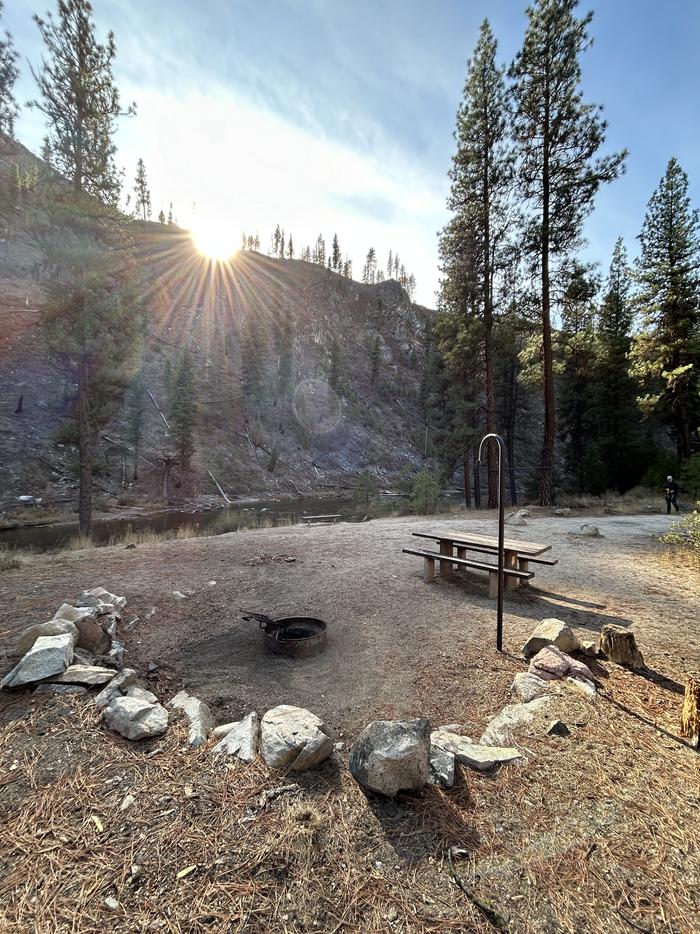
686 533
425 492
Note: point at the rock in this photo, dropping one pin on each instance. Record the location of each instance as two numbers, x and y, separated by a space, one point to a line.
118 686
50 655
527 686
84 674
392 755
141 694
515 519
179 595
83 657
51 688
588 647
134 718
551 632
442 767
292 736
618 644
103 596
558 728
112 904
551 663
587 531
92 636
452 727
473 755
117 650
241 739
562 511
71 613
583 686
54 627
501 730
151 668
200 717
224 729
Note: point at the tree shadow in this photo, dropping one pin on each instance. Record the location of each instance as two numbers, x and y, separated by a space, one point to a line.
421 825
647 722
572 611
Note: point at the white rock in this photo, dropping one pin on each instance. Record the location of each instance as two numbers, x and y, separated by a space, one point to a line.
527 686
50 655
587 531
84 674
54 627
292 736
562 511
112 904
199 715
141 694
71 613
241 740
583 686
515 519
474 755
392 755
551 632
117 651
224 729
442 767
134 718
104 597
501 730
118 686
551 663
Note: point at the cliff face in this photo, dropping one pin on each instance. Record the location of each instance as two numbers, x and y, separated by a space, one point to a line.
303 378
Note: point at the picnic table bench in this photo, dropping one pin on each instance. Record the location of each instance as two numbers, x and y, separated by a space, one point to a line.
332 518
518 555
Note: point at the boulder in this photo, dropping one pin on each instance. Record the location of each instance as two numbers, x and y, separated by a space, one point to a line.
241 739
116 652
92 636
474 755
141 694
587 531
50 655
392 755
54 627
442 767
89 675
582 686
551 663
71 613
618 644
527 686
551 632
118 686
98 596
562 511
513 719
134 718
558 728
199 715
50 688
292 736
515 519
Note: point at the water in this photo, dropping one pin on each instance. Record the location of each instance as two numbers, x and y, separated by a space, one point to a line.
47 537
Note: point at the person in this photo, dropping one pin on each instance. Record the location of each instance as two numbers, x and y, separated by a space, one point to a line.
671 489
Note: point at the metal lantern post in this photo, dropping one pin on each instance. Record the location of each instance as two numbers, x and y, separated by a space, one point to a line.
501 533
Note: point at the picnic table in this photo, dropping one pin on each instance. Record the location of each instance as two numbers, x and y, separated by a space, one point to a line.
517 557
329 518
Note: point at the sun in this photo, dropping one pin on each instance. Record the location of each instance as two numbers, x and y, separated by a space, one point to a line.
215 240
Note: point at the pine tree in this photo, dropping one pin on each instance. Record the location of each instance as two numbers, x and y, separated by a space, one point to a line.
320 251
290 248
134 416
243 241
276 241
161 216
614 392
666 355
336 253
252 357
256 243
142 194
370 267
80 100
390 265
557 136
481 175
92 313
171 220
183 411
8 75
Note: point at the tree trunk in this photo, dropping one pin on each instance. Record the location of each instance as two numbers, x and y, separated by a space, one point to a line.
690 715
467 485
85 449
166 477
477 482
546 483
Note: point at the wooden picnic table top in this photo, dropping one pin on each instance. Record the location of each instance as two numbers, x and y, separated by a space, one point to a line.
485 541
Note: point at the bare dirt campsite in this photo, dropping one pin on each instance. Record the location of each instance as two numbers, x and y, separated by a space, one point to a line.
594 830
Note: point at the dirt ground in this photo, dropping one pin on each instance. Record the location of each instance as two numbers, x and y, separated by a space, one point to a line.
598 831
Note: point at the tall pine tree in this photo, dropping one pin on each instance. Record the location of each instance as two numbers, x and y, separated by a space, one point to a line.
142 194
667 353
8 75
558 135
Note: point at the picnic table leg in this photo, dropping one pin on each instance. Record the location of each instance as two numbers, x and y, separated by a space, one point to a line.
493 585
446 549
429 570
461 552
524 565
510 561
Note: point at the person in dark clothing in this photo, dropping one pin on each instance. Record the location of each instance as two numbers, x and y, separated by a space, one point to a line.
671 489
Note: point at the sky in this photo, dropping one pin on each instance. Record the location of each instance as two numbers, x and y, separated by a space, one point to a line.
326 116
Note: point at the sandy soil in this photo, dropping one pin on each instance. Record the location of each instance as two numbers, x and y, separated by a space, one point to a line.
597 832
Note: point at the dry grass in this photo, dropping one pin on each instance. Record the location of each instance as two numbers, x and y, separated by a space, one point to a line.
597 833
10 558
79 543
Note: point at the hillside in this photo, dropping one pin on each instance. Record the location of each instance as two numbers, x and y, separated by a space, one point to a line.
268 337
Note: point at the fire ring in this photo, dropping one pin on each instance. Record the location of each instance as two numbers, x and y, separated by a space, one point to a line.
293 636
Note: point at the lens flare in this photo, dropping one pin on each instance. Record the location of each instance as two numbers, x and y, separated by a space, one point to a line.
214 240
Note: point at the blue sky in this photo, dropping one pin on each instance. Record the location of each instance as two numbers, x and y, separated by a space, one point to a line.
327 116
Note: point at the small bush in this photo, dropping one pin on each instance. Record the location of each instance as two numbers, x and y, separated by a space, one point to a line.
425 493
9 559
79 543
686 533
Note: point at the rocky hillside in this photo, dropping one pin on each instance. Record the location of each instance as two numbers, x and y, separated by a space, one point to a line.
303 378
